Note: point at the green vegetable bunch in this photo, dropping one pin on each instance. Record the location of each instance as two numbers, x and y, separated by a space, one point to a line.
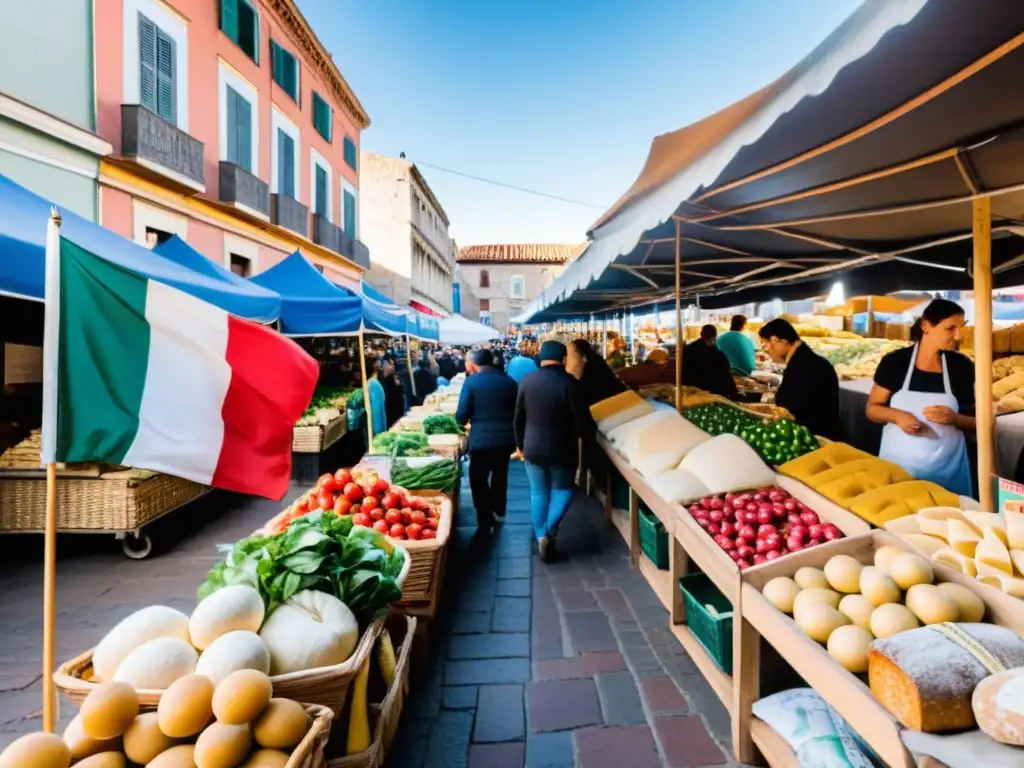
439 475
441 424
401 444
321 551
776 442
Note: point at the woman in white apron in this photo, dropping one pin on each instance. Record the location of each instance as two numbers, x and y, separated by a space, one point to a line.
925 397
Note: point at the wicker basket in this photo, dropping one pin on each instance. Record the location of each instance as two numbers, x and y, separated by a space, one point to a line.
427 556
117 501
388 712
317 439
326 686
310 752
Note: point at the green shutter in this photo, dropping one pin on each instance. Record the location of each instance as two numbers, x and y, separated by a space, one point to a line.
244 133
350 154
229 19
165 86
322 116
321 192
285 164
350 214
147 63
255 36
232 132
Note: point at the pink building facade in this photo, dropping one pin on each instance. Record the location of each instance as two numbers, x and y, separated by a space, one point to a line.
232 128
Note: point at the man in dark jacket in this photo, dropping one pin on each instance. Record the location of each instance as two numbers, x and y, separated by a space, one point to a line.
706 367
488 404
551 418
426 382
447 365
394 392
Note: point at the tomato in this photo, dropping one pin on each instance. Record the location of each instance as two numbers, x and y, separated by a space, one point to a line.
323 479
380 487
368 503
391 501
325 500
361 518
343 477
376 513
397 531
332 485
393 516
342 506
418 517
431 523
428 533
418 503
413 530
353 492
381 526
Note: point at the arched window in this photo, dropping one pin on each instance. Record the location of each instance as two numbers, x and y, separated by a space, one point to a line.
485 279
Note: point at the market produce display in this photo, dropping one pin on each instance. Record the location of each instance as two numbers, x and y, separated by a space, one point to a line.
401 444
982 545
328 404
777 442
441 424
856 359
760 526
437 475
656 442
723 464
618 410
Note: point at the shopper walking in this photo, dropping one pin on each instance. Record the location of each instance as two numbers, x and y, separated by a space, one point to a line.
551 418
378 399
394 392
488 404
425 381
521 366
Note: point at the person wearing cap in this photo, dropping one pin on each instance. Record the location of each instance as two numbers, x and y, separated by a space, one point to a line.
488 404
551 417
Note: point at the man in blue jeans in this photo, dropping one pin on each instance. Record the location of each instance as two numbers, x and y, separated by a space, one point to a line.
551 418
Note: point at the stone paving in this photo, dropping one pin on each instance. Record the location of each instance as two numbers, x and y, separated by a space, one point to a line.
555 665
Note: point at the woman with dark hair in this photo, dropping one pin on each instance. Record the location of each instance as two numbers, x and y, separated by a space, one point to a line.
924 395
597 380
377 398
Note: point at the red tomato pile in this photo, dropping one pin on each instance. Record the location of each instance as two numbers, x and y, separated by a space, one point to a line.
755 527
371 502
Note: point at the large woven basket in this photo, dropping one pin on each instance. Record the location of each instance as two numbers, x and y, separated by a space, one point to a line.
310 752
325 686
117 501
427 555
388 712
318 438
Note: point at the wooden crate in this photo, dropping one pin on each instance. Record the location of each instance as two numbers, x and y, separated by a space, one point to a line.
424 582
316 439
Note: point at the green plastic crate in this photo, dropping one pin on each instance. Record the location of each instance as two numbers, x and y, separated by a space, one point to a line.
713 632
620 491
653 538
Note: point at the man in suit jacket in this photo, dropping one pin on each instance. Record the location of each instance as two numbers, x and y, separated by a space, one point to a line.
488 404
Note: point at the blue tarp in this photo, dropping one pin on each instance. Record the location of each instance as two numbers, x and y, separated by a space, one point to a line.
420 325
310 303
267 303
23 219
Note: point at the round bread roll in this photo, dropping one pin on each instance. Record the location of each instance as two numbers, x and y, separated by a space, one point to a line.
815 595
849 646
996 702
908 569
891 619
931 605
878 586
819 620
972 607
781 592
843 574
811 578
884 556
857 609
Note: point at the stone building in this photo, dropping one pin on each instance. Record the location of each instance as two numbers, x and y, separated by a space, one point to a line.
505 278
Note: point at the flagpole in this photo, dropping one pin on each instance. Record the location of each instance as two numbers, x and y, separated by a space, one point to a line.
366 390
50 373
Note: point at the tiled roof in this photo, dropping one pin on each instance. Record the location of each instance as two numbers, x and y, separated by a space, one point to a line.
543 253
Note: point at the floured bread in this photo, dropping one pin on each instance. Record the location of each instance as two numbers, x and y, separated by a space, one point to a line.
998 704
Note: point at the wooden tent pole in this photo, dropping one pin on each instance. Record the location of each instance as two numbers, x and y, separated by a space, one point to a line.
366 391
985 418
604 337
408 361
679 327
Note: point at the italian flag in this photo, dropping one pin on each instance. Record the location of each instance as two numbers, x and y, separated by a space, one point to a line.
141 374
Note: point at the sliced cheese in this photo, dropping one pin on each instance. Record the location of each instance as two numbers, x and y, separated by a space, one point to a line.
933 527
962 537
942 513
927 545
1017 558
992 552
1009 585
982 520
678 485
1014 529
952 558
984 570
903 526
726 464
618 410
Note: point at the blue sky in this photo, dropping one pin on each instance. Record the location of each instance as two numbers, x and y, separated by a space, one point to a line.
561 96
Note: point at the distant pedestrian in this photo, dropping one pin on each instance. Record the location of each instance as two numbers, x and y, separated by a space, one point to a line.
551 418
520 366
425 381
394 394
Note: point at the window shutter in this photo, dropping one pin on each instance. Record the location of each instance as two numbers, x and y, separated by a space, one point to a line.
321 191
229 19
276 69
232 104
244 134
165 85
255 36
350 214
350 153
285 164
147 64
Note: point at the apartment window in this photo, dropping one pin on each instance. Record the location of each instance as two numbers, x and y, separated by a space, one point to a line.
485 278
350 217
155 237
322 116
320 192
485 318
285 164
517 289
485 305
285 69
240 22
351 156
157 86
240 265
239 130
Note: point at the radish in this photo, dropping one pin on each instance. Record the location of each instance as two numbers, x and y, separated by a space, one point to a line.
747 532
743 564
728 529
809 517
717 503
745 552
760 559
773 542
716 515
773 555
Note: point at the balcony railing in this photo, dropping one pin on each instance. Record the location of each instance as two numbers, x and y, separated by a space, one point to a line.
289 213
329 236
243 190
360 254
162 147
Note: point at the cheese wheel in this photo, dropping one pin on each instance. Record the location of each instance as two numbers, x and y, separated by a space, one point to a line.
878 587
843 574
849 646
991 551
781 592
971 607
884 555
810 578
819 620
926 545
998 704
857 609
931 605
909 569
1014 520
814 596
953 559
891 619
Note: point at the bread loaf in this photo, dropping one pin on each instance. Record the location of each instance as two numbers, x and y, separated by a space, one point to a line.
926 678
998 704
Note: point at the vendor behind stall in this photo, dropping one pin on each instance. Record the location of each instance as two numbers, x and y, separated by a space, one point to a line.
924 395
738 347
706 367
653 370
810 386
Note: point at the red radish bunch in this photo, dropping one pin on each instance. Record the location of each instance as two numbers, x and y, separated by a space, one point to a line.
372 503
755 527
